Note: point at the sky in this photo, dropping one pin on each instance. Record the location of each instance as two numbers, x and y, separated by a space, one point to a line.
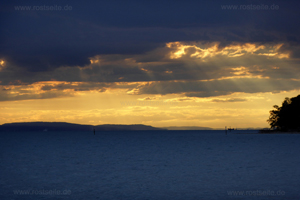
160 63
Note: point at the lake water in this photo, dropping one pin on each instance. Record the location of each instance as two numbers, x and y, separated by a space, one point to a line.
149 165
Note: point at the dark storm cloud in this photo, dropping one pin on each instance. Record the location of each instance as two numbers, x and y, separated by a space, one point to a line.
44 40
218 87
197 62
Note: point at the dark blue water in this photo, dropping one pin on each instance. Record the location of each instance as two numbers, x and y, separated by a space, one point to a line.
149 165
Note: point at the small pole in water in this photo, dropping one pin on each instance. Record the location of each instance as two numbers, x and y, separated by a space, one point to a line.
226 130
94 131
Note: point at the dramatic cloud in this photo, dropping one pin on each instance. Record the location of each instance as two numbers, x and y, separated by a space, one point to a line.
154 47
194 69
40 40
56 89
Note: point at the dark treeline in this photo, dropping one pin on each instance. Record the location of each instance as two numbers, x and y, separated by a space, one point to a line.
286 117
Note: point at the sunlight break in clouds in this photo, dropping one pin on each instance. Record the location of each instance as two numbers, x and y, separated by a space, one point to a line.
202 51
2 65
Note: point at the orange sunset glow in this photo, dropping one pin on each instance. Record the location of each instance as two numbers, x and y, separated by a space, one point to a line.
182 84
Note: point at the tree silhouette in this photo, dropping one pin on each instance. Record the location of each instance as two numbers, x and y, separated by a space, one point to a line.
286 117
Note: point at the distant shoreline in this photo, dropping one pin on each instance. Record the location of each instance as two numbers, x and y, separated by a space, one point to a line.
64 126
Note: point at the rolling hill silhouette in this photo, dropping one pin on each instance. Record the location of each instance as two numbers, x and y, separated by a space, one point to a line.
64 126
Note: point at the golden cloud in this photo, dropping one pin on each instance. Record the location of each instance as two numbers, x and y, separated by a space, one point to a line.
202 51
